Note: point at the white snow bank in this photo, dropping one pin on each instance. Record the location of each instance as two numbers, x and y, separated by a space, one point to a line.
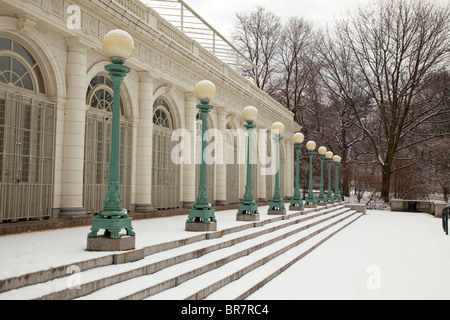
383 255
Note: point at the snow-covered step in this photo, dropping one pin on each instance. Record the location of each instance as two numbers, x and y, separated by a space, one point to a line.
203 285
56 272
249 283
169 277
91 280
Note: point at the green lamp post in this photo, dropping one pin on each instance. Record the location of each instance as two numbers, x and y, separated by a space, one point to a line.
201 215
321 199
337 162
248 210
329 157
118 45
276 206
297 202
310 201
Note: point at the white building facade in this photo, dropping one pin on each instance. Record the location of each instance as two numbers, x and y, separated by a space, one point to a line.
55 114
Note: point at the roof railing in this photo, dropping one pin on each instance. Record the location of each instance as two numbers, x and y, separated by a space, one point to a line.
182 16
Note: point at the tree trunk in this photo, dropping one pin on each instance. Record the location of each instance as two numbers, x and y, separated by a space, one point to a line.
345 176
385 183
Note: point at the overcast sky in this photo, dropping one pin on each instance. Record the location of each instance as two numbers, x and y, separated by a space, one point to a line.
221 14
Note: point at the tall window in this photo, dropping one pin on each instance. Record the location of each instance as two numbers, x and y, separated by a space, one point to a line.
165 173
27 136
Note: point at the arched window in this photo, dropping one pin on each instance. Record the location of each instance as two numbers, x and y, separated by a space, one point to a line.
27 137
99 94
18 67
161 114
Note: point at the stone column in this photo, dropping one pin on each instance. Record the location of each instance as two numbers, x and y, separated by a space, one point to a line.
264 168
189 186
144 145
290 172
243 165
74 129
221 167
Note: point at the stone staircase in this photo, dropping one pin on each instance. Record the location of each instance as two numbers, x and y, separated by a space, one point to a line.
227 264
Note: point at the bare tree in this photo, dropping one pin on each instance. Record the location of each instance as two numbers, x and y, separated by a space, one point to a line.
379 62
257 34
297 67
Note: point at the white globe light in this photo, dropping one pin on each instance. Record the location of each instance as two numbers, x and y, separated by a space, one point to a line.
329 155
337 159
205 90
250 114
298 137
278 127
311 145
322 151
118 44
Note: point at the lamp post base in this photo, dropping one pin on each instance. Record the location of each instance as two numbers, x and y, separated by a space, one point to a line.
200 226
310 201
201 218
276 206
105 243
276 212
112 224
296 208
247 208
296 203
248 211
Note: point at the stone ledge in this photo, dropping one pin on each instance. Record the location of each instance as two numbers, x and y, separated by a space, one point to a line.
102 243
276 212
296 208
358 207
200 226
129 256
432 207
247 217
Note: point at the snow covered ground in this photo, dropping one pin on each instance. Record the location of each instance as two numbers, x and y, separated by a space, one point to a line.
383 255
